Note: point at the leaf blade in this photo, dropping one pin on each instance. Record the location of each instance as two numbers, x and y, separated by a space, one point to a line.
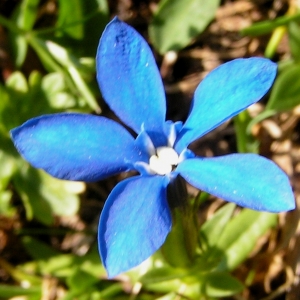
177 22
240 235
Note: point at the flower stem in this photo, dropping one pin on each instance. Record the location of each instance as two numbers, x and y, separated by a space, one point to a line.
245 142
180 246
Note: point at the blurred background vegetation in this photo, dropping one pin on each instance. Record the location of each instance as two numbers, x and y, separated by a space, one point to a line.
48 227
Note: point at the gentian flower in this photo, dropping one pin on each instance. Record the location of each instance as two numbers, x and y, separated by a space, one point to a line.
136 218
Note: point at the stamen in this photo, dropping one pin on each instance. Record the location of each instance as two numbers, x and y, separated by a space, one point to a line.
168 155
163 162
159 166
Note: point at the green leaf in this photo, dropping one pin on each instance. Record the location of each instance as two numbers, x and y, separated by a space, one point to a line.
80 280
53 83
4 101
25 14
188 290
28 183
101 291
100 5
19 48
70 18
61 194
163 274
211 230
39 46
266 113
55 91
57 58
71 64
240 235
169 296
44 195
6 209
17 82
23 95
63 265
294 39
285 93
8 167
98 17
268 26
10 291
58 266
91 263
221 284
24 17
177 22
37 249
20 275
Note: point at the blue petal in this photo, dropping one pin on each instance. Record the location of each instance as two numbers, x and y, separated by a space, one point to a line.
225 92
134 223
129 78
248 180
76 146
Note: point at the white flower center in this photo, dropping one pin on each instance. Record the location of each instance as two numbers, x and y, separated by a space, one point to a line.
163 162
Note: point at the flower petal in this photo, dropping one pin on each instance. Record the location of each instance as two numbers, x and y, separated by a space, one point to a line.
134 223
224 93
129 78
76 146
248 180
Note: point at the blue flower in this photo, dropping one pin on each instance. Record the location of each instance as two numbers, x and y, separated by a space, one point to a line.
136 217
